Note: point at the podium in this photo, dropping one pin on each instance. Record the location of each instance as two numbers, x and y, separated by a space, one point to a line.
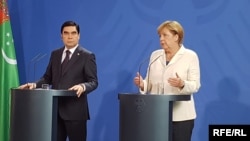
146 117
34 114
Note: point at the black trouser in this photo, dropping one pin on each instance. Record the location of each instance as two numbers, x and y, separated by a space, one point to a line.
75 130
182 130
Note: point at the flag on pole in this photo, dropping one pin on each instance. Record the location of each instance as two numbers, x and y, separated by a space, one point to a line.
8 70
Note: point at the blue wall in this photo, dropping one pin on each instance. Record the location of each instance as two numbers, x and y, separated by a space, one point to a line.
122 33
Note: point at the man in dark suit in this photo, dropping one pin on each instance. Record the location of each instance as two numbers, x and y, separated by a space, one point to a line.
79 74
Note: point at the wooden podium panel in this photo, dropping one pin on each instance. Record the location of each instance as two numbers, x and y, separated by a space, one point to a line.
147 117
34 114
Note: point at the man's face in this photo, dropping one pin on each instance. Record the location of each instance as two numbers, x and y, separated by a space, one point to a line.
70 36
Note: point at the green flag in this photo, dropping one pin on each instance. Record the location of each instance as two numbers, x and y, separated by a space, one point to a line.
8 70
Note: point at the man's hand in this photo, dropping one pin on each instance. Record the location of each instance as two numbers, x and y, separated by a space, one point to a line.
28 86
79 90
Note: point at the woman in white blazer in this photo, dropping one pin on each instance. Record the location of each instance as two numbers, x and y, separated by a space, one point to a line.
173 69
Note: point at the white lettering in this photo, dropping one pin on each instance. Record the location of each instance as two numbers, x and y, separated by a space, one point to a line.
229 132
216 132
239 132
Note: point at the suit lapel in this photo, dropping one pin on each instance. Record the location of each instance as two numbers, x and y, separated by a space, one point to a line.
177 56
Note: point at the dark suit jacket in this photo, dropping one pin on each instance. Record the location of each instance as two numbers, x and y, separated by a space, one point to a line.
81 69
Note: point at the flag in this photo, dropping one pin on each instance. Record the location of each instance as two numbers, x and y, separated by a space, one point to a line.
8 70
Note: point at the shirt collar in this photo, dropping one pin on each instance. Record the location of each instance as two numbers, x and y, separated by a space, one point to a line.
71 50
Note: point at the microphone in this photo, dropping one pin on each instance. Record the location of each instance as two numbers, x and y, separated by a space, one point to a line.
149 67
34 60
29 65
37 60
143 62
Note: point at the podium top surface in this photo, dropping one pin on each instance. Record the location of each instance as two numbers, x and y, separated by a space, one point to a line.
52 92
170 97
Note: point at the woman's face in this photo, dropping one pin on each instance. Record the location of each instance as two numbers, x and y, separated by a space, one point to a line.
168 40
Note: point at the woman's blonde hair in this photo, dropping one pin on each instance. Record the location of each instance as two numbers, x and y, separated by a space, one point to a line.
174 27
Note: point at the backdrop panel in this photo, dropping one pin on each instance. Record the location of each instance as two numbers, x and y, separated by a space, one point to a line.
122 33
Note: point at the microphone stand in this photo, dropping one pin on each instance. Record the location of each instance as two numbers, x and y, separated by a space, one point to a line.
149 68
29 65
38 59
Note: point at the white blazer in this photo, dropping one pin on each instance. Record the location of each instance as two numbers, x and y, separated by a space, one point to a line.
186 63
